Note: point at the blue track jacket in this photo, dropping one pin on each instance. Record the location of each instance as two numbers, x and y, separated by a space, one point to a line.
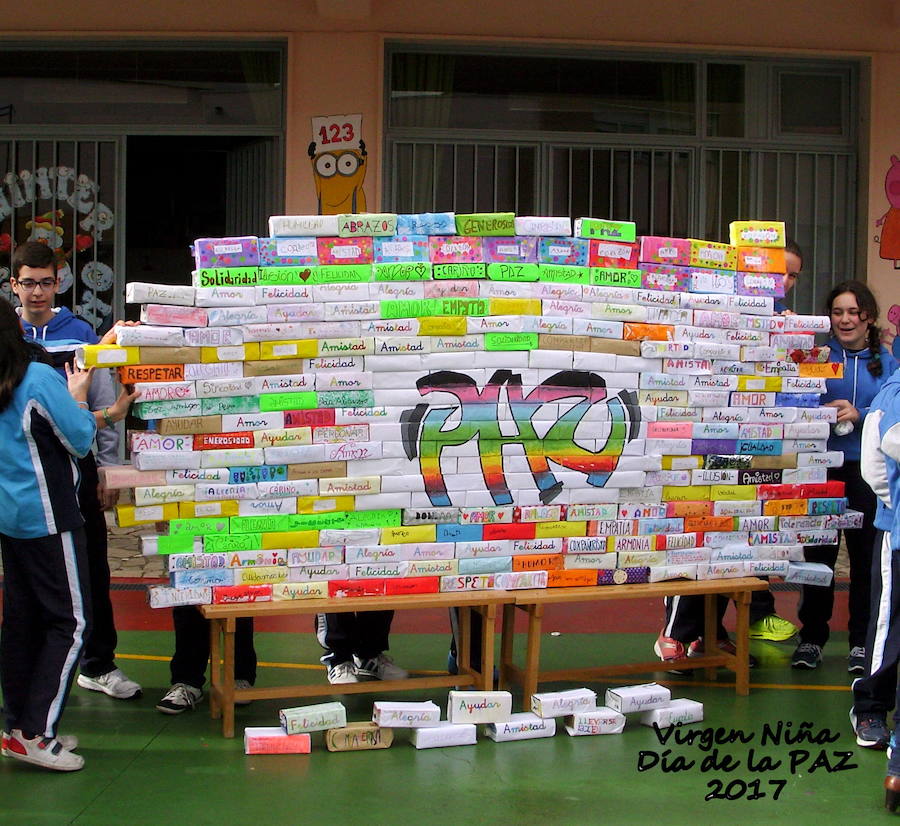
41 430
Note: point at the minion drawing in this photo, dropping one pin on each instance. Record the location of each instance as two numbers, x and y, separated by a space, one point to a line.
339 176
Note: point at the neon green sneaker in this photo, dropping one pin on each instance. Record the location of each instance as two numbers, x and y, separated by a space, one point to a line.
772 627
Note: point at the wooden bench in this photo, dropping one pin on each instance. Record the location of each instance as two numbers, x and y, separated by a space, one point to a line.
223 619
532 602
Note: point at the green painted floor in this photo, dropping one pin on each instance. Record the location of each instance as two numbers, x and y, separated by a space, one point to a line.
143 767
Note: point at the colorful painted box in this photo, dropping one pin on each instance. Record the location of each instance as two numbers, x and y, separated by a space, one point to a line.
760 283
572 252
757 233
761 259
288 252
613 254
401 249
344 250
655 276
713 255
510 250
427 223
456 249
240 251
660 250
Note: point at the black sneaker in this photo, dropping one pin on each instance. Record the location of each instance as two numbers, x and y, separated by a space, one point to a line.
856 662
871 731
806 655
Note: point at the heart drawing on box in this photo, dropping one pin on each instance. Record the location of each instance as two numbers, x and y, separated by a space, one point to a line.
304 276
420 270
835 367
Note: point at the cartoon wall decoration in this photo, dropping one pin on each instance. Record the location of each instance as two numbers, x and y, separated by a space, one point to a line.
338 157
56 207
889 238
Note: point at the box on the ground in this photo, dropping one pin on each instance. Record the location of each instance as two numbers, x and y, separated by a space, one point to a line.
561 703
405 714
600 720
358 737
478 706
313 718
631 698
674 713
274 740
522 726
444 734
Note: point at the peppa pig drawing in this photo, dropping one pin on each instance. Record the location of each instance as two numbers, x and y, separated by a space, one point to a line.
890 221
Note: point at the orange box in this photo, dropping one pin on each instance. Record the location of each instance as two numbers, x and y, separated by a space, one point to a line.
633 331
131 373
761 259
571 578
537 562
828 370
695 508
708 523
785 507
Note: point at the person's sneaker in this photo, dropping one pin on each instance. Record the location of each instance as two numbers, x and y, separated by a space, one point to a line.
342 673
698 649
773 628
806 655
241 685
69 741
856 662
381 667
871 731
47 752
180 697
114 683
667 648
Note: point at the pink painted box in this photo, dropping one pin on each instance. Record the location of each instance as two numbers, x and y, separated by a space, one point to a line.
242 251
658 250
288 252
665 277
613 254
345 250
401 249
571 252
760 283
510 250
456 249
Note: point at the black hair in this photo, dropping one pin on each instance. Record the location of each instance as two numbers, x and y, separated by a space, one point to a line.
15 354
868 310
32 254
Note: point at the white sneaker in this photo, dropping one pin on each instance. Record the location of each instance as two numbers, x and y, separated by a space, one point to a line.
180 697
342 673
381 667
114 683
240 685
47 752
69 741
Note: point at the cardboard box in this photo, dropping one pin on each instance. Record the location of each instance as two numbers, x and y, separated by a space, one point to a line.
313 718
273 740
358 737
392 714
444 734
631 698
478 706
523 726
561 703
674 713
601 720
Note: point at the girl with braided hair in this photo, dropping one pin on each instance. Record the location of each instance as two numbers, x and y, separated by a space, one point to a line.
856 343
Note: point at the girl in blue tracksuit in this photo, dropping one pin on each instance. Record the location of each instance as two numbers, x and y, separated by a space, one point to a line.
46 611
855 343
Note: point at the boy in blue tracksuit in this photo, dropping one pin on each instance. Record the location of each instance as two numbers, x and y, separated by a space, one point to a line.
855 343
35 282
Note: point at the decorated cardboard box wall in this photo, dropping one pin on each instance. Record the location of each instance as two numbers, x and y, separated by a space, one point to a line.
478 411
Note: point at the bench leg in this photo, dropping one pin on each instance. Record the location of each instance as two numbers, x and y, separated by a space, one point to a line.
532 654
742 643
488 620
215 667
464 642
506 642
228 680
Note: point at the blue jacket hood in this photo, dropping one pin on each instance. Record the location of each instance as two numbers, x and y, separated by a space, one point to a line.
63 325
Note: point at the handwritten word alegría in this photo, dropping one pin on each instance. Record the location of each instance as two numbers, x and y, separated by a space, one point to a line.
479 418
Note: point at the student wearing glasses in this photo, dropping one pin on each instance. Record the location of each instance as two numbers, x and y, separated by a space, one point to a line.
35 282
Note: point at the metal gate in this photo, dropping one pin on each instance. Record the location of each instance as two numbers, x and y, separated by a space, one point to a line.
67 193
